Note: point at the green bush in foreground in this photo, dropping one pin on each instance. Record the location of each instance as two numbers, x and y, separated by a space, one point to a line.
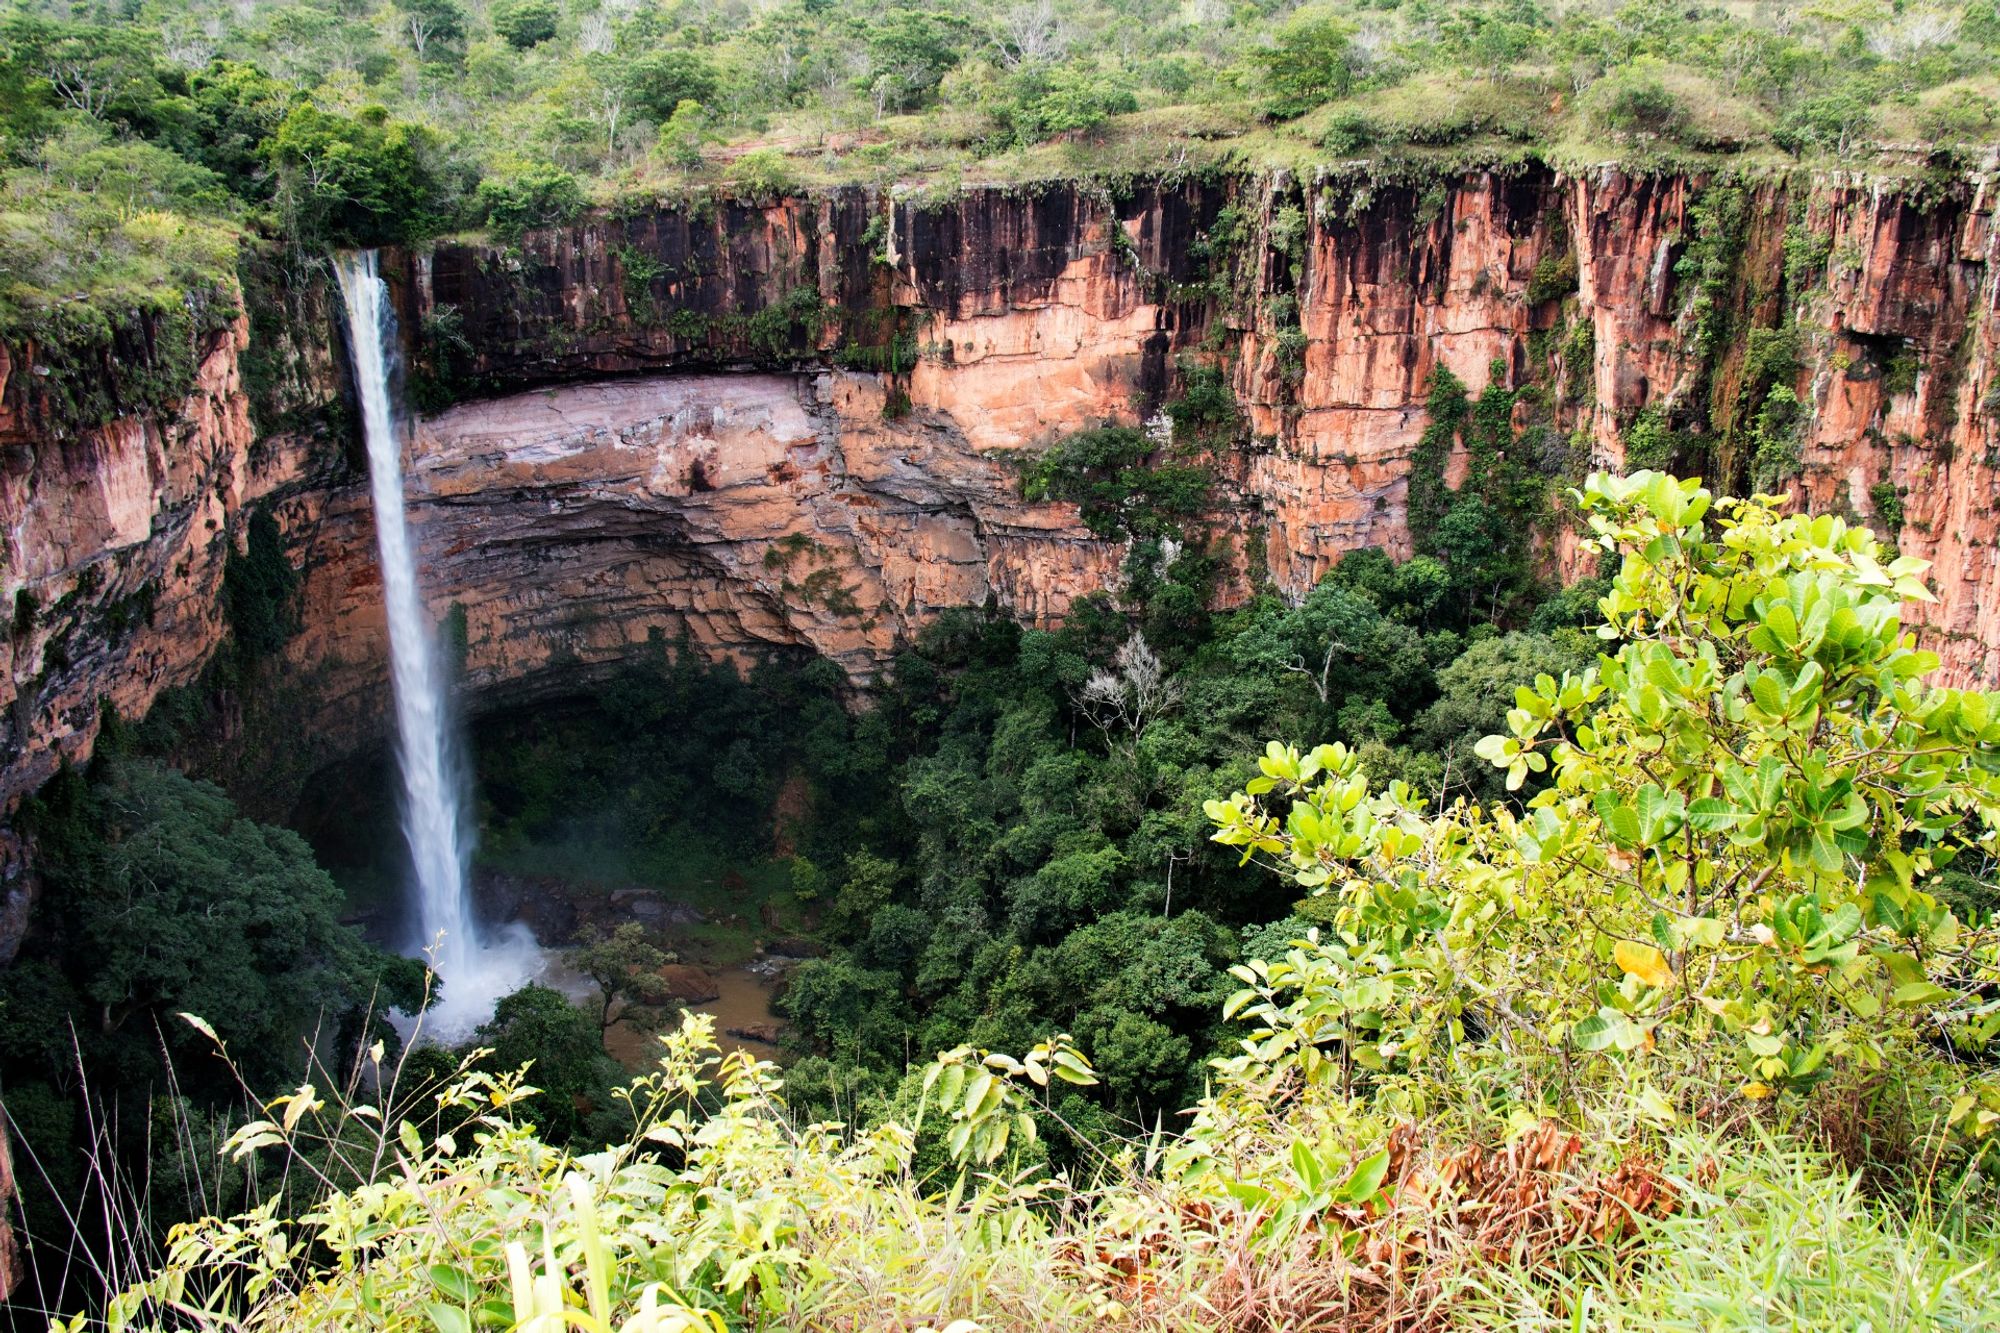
1685 1041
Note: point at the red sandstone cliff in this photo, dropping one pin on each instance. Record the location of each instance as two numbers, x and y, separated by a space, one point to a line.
790 425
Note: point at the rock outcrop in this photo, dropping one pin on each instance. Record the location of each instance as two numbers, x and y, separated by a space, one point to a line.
795 425
115 542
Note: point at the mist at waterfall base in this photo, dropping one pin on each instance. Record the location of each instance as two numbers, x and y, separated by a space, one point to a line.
477 965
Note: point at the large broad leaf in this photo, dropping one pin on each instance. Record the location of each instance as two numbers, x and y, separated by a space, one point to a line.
1712 814
448 1318
1594 1033
1644 962
1920 992
1365 1181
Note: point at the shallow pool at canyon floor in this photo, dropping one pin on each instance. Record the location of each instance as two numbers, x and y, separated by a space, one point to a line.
729 962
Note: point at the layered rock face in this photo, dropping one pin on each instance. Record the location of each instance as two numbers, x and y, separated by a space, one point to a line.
795 425
571 526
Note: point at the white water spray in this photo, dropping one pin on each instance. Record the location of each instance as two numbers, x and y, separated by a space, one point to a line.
477 969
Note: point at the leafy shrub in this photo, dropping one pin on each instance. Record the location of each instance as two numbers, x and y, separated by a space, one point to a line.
1555 277
1899 375
661 80
1104 471
1960 115
1064 99
763 174
1772 356
1774 435
1636 100
535 195
1828 123
1206 409
1776 834
1650 443
258 586
1886 498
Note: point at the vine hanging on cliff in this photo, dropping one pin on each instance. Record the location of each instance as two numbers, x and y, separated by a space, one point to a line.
1429 496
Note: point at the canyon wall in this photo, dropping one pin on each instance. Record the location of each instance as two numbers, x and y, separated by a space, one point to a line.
795 424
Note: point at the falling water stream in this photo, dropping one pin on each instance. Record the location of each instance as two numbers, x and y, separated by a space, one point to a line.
477 966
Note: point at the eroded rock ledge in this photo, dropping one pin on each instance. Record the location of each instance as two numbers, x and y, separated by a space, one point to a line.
572 525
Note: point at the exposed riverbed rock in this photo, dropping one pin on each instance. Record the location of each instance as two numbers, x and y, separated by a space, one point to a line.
687 984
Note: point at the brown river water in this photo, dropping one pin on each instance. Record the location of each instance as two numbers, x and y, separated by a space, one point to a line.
743 1001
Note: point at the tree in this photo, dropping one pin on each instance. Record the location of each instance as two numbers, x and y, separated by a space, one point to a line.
1129 695
610 89
525 23
238 109
432 24
168 900
1334 635
1031 34
1063 99
682 135
562 1048
869 885
909 53
1828 123
516 197
659 81
1307 61
625 965
356 180
103 71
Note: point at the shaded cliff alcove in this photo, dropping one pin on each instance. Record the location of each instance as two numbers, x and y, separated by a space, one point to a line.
672 791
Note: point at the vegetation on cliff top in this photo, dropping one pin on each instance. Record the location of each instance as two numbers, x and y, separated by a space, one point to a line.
1696 1034
137 142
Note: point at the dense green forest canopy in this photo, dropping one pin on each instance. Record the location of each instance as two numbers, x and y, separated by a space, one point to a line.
141 142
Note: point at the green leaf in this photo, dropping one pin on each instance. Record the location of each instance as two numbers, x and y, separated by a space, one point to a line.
447 1318
977 1091
1712 814
1071 1069
456 1284
1594 1033
1365 1181
1305 1165
1919 992
1623 826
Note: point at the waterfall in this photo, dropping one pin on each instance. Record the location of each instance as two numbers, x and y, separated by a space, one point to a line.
476 969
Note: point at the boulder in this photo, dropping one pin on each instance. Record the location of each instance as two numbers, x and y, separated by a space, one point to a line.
687 984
